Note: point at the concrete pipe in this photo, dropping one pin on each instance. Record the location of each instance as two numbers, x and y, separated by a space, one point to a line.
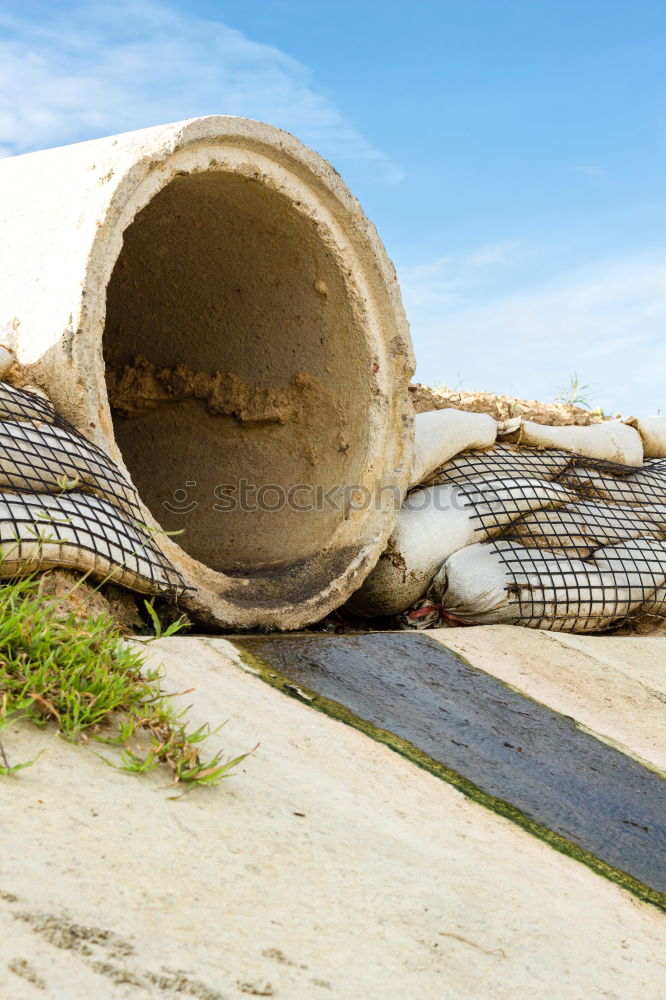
207 301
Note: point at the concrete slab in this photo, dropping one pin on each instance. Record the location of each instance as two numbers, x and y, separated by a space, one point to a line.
328 866
614 685
503 749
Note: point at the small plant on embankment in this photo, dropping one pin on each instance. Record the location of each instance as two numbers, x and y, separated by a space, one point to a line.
78 672
575 393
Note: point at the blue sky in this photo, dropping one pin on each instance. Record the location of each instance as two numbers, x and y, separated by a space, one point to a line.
511 153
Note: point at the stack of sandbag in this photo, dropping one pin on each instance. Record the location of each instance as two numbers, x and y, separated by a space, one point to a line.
560 528
65 504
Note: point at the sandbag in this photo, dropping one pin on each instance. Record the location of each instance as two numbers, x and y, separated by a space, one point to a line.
64 503
26 404
654 607
644 486
432 523
501 460
83 532
40 457
611 441
591 556
503 582
473 586
581 528
653 434
441 434
435 522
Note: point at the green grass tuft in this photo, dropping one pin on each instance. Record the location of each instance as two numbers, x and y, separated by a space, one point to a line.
79 673
575 393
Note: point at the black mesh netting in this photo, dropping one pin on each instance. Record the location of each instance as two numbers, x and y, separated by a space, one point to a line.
64 503
590 558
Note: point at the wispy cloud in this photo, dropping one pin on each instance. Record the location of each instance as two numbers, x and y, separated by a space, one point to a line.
448 280
107 68
606 321
589 170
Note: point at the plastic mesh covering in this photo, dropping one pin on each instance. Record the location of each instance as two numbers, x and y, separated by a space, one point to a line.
63 503
590 559
503 460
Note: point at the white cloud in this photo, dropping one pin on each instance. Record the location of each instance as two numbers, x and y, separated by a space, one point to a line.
589 170
108 68
606 321
447 280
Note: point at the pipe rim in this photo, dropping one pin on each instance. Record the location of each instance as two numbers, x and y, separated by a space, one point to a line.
227 144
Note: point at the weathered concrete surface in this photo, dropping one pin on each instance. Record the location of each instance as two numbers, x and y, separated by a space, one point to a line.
329 866
508 752
614 685
227 246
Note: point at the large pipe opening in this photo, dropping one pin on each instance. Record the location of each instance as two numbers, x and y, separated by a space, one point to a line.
235 372
225 323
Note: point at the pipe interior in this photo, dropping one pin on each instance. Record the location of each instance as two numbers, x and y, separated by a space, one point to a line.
233 356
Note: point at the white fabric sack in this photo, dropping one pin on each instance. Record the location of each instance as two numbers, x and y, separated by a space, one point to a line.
29 404
501 460
77 531
38 459
441 434
472 586
431 524
561 594
498 502
435 522
581 528
653 434
641 486
655 606
612 441
64 503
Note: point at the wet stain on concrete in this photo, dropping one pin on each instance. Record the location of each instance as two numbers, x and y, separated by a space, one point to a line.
500 747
